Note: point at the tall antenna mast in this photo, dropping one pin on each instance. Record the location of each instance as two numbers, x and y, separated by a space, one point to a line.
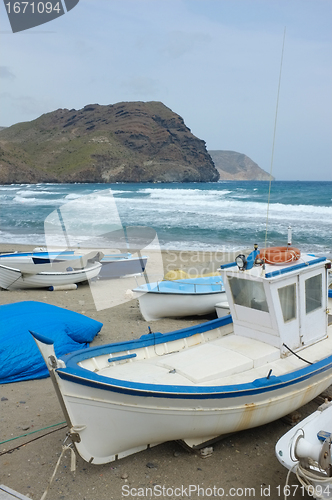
274 137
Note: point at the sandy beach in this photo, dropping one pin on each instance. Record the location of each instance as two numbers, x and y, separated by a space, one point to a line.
242 465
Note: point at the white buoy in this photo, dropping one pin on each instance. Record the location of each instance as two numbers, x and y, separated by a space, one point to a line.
62 287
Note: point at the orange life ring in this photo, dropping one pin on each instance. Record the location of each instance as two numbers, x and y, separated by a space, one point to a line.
279 255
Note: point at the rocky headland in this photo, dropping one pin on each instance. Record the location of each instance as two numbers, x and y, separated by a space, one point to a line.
124 142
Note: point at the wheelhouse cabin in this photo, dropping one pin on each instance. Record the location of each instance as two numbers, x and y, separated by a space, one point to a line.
283 305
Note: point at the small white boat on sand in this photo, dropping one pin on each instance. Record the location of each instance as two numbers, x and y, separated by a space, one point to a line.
17 275
180 298
306 449
272 355
37 256
113 265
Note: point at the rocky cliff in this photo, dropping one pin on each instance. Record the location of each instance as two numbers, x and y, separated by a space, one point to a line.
124 142
237 166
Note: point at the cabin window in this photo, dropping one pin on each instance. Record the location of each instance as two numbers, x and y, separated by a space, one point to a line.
249 294
287 297
313 293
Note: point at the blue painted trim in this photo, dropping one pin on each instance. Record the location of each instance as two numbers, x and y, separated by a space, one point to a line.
330 294
25 254
294 268
181 292
187 286
120 358
42 338
146 340
259 386
36 254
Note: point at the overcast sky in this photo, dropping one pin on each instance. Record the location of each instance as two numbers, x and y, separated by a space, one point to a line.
214 62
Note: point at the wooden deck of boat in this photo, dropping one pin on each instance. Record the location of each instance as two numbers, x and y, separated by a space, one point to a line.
222 361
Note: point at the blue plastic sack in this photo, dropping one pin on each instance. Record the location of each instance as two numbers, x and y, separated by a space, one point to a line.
20 358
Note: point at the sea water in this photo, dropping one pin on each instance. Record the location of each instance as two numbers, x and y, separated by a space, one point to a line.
222 216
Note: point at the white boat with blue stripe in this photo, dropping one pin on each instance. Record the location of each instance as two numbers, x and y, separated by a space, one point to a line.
272 355
19 271
114 265
180 298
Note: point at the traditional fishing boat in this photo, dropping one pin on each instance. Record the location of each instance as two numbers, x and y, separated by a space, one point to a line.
272 355
180 298
17 275
113 265
306 449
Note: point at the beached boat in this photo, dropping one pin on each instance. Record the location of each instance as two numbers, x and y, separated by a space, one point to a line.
272 355
38 256
180 298
123 264
18 275
113 265
305 450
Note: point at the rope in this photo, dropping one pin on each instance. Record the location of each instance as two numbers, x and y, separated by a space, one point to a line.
287 479
31 440
306 478
302 359
274 136
32 432
73 467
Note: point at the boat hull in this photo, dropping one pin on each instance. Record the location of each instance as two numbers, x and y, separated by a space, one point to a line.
13 279
112 425
115 268
156 305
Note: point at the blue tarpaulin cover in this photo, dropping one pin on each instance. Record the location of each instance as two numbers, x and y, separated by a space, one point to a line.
20 358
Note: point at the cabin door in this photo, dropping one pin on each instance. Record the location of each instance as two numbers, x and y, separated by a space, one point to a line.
313 303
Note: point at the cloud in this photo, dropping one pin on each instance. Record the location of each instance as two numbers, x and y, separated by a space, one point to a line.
180 43
6 73
141 86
